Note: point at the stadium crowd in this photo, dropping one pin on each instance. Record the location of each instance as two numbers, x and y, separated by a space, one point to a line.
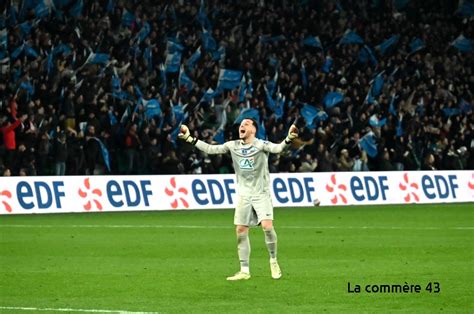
93 87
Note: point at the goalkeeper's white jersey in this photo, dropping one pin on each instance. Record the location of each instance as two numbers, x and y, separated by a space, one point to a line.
250 163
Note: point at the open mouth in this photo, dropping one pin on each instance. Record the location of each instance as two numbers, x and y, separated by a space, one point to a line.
242 131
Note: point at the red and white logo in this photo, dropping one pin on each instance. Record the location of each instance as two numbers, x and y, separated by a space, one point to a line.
182 192
8 195
94 193
332 186
411 189
470 184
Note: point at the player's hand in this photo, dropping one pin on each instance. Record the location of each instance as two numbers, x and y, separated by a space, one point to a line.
292 133
185 135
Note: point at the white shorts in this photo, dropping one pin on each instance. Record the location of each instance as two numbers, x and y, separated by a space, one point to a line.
251 210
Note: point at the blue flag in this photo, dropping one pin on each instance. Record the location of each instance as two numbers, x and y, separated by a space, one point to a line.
110 6
194 58
366 55
400 4
383 47
27 87
41 10
248 113
218 54
451 112
309 113
98 58
242 89
4 38
25 29
62 49
463 44
332 98
376 122
208 42
219 136
416 44
229 79
261 132
391 107
173 46
304 77
202 16
272 83
466 8
112 119
147 55
185 81
378 84
152 108
465 107
173 61
327 65
127 18
76 10
369 145
144 32
164 86
105 153
350 37
313 41
208 95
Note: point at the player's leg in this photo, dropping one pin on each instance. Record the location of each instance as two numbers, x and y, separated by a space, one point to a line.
264 209
242 219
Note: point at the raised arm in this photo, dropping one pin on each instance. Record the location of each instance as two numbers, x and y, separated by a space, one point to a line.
185 135
278 148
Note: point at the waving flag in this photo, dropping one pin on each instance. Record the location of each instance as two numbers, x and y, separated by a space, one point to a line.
366 55
76 10
184 80
332 98
304 77
242 89
173 61
152 108
327 65
208 95
384 46
144 32
98 58
313 41
376 122
248 113
202 16
309 113
229 79
378 84
4 38
272 83
369 145
219 136
127 18
173 46
148 56
208 42
350 37
466 8
41 9
416 45
194 58
463 44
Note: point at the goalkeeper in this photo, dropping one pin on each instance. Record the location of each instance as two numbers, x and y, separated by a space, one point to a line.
254 204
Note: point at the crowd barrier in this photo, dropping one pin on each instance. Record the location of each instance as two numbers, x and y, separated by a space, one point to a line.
28 195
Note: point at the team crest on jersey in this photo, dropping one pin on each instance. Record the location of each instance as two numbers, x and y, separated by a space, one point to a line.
246 163
246 151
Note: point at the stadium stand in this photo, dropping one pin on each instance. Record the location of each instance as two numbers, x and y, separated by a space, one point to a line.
93 87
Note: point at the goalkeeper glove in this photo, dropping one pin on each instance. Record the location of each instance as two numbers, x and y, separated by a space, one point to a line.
185 135
292 134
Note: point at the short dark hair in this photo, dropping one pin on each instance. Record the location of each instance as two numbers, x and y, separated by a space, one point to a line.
255 124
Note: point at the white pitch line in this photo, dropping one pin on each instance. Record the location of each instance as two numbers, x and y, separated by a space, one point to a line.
22 308
229 227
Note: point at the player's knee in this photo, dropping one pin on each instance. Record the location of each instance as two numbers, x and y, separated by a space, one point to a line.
241 229
267 224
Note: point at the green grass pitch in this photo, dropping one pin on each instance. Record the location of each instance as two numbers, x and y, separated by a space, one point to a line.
177 262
